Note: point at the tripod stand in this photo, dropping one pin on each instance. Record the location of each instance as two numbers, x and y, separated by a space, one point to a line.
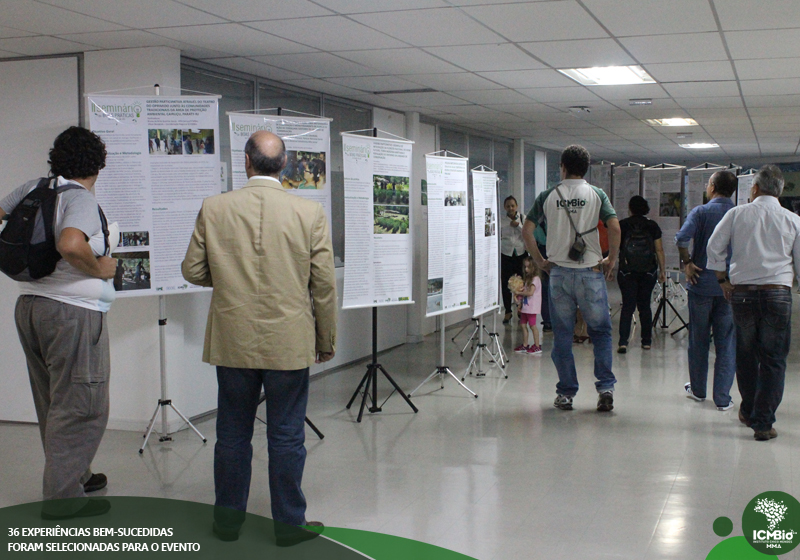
442 370
320 435
496 348
661 310
477 356
371 378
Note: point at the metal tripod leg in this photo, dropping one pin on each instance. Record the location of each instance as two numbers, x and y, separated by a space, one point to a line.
165 436
471 338
441 371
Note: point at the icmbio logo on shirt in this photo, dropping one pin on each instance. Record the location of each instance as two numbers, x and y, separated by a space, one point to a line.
573 203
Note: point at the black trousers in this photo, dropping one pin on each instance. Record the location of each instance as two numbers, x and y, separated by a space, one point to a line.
509 266
637 289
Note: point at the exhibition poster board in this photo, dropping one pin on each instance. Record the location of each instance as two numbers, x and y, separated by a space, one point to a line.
162 162
743 190
601 175
486 242
448 234
627 184
308 148
663 189
696 183
378 240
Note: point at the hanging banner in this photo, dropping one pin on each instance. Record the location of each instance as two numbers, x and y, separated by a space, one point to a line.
743 190
308 148
696 183
601 175
448 234
627 184
663 189
487 248
378 250
162 162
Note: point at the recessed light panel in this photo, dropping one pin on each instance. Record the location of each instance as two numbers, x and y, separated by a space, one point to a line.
671 122
699 146
609 75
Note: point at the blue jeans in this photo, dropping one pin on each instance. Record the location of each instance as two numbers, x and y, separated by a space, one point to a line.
287 396
545 278
705 313
571 288
763 333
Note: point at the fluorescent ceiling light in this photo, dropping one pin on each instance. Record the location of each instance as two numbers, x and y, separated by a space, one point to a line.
699 146
640 102
671 122
609 75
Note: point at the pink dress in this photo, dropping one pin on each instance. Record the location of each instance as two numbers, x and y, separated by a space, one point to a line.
532 305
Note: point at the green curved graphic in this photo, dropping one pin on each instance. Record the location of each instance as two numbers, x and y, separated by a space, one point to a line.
736 548
390 547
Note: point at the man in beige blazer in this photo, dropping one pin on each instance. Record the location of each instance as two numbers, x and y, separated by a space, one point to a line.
268 256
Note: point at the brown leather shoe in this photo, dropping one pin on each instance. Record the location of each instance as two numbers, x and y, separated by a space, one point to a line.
743 419
765 436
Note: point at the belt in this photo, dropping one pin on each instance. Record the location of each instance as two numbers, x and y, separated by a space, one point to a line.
759 287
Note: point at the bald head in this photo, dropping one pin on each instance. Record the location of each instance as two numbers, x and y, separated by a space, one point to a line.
264 154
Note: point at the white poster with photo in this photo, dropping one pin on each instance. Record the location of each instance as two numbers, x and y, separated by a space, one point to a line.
162 162
378 244
743 190
663 190
627 184
448 234
602 175
487 248
308 148
696 183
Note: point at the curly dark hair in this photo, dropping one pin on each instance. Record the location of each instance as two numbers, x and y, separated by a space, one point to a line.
77 153
576 159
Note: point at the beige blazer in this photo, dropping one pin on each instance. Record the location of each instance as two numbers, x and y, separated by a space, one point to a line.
269 258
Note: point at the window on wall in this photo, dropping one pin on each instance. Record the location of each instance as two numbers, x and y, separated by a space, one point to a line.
453 141
271 97
553 169
480 151
502 164
345 117
529 179
237 94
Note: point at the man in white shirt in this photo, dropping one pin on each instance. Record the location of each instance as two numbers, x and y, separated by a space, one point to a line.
512 250
765 241
571 211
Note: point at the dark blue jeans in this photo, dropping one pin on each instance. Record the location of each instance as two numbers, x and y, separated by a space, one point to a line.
705 313
545 278
637 291
287 396
763 333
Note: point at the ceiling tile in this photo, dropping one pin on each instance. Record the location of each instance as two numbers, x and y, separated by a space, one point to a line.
710 102
45 19
775 15
526 109
789 86
555 95
41 45
8 32
491 96
767 69
323 86
702 89
539 21
362 6
529 78
453 82
120 39
691 71
232 38
754 100
424 99
579 53
478 58
317 65
258 69
372 84
140 14
437 27
399 61
764 44
652 17
637 91
254 11
329 33
690 47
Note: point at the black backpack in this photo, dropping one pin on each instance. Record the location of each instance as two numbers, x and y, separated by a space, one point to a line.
638 252
27 243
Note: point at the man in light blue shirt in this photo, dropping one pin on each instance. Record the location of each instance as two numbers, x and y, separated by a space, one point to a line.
707 304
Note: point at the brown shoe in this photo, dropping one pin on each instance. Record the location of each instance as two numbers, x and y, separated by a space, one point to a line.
298 535
765 436
743 419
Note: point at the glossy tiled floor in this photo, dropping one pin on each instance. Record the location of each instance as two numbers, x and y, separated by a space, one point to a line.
505 476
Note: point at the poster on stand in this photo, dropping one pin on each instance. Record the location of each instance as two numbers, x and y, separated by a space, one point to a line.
162 162
663 189
448 234
487 248
627 184
378 250
743 190
601 175
308 148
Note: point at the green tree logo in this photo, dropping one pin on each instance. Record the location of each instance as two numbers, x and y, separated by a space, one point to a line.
771 522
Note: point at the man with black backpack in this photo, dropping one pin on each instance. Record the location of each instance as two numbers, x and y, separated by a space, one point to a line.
66 291
641 258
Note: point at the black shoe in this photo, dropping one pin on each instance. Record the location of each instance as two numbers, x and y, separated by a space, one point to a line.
765 435
98 481
547 327
226 535
622 349
92 508
299 535
743 419
605 402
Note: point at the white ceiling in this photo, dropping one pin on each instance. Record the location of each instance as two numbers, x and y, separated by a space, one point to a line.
733 65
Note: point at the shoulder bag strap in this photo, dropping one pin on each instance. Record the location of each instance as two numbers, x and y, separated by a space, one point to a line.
569 214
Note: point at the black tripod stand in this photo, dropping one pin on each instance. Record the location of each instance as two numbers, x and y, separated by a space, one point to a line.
320 435
661 311
371 378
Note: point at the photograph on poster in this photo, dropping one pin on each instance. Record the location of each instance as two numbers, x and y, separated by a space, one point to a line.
135 239
489 226
133 271
435 289
455 198
390 219
164 142
387 189
304 170
198 142
670 206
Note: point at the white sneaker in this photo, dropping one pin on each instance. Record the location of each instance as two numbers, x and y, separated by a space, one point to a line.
690 395
726 407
